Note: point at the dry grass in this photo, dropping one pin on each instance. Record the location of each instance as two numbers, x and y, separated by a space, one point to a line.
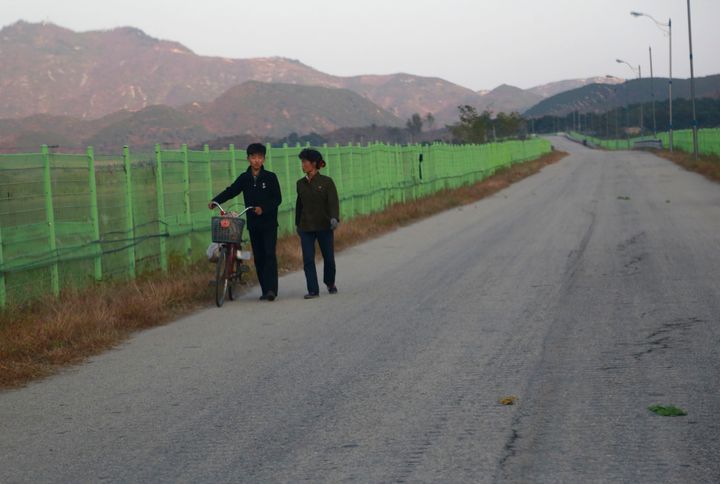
706 165
37 340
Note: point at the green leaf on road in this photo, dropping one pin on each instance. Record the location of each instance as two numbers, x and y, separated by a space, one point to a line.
667 410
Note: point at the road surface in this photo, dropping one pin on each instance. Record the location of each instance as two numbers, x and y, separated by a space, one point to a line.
589 291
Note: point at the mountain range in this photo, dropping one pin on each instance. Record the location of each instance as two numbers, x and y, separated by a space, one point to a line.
121 86
598 98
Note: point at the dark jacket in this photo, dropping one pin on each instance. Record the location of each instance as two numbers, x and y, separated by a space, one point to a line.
317 203
262 191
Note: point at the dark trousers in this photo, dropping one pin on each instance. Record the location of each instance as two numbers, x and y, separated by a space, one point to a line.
325 240
264 242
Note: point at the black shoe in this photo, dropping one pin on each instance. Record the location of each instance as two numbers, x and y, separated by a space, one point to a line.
311 295
264 297
270 296
333 289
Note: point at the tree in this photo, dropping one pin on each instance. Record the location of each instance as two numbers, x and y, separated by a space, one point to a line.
429 120
473 127
414 124
509 125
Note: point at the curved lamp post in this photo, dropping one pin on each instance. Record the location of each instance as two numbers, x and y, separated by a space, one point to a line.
638 73
666 28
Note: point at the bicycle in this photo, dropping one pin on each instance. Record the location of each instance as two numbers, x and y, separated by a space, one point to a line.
227 231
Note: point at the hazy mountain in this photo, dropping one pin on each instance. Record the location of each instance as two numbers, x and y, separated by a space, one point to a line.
602 97
274 109
405 94
254 109
27 134
506 99
53 70
552 88
143 129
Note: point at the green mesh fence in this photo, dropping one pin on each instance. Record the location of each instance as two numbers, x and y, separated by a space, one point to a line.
67 220
708 141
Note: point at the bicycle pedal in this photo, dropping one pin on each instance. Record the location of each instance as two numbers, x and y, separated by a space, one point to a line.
244 268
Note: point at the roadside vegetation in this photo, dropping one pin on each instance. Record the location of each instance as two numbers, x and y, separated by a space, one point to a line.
706 165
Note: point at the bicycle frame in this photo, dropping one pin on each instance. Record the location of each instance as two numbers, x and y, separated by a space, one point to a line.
232 262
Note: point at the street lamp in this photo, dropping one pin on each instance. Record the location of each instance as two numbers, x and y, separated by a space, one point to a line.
666 28
637 72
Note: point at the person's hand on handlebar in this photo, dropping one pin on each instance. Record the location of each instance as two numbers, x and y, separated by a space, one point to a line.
212 205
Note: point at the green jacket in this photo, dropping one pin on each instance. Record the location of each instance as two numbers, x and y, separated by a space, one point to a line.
317 203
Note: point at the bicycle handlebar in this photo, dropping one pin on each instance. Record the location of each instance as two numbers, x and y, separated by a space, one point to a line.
223 212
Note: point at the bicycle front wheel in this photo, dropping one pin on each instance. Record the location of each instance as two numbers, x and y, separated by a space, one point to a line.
231 273
221 280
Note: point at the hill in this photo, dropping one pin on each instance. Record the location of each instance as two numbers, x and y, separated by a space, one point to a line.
142 129
276 109
53 70
254 109
553 88
598 98
507 99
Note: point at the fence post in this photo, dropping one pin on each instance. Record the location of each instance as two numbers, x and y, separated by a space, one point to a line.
94 218
50 218
129 211
2 274
186 202
400 173
351 179
208 160
161 208
326 154
339 176
289 185
233 163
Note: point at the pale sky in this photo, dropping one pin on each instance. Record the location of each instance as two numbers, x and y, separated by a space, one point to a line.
476 43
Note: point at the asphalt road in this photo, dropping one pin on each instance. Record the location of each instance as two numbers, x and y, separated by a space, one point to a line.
589 291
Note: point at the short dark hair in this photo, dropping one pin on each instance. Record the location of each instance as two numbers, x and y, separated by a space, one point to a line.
313 156
256 149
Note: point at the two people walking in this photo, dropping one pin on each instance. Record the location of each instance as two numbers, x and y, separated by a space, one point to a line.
317 215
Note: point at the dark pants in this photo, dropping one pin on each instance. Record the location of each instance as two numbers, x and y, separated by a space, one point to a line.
325 240
264 242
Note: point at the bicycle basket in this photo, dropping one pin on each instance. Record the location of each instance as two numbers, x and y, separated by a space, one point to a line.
227 230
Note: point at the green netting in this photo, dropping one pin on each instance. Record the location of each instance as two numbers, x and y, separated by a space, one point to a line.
69 220
708 141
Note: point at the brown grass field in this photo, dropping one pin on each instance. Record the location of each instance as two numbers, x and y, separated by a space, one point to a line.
39 339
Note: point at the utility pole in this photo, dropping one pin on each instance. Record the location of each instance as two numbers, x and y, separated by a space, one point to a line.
642 109
652 94
670 85
692 87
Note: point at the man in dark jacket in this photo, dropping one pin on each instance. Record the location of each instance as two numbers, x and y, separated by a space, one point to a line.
260 189
317 215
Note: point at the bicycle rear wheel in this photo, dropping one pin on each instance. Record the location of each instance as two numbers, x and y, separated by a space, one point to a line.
221 280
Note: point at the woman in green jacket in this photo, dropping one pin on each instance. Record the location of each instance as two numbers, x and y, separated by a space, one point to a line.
317 215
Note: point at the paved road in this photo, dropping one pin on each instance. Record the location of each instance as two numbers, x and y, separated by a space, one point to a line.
590 291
